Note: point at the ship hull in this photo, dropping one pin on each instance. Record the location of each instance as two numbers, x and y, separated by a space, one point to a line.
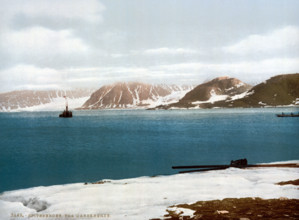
66 114
287 115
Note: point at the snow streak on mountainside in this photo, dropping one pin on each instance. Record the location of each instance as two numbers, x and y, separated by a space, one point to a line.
30 100
134 95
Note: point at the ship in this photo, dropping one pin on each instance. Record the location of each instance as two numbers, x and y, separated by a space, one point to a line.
66 113
288 115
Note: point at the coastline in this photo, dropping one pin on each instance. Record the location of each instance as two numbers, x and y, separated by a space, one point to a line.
57 106
148 197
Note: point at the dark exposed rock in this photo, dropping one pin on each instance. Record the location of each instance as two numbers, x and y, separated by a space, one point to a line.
243 208
291 182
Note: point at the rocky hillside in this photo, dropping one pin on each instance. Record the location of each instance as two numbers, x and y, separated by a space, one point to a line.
134 95
223 92
277 91
42 100
221 88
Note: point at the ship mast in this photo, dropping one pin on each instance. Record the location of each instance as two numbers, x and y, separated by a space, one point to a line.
66 104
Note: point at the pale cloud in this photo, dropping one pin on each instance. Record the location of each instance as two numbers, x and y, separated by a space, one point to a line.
118 55
170 51
28 76
183 66
87 10
195 72
249 71
251 67
40 41
54 43
286 38
45 33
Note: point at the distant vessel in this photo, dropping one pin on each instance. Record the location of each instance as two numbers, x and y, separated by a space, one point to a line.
288 115
66 113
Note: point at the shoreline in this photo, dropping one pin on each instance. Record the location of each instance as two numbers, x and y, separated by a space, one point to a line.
151 197
105 180
79 109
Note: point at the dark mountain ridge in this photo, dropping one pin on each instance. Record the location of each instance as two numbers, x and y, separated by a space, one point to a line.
279 90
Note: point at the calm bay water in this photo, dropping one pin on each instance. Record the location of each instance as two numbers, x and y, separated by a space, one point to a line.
39 148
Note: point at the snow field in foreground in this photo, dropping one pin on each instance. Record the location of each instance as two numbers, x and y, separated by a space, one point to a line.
148 197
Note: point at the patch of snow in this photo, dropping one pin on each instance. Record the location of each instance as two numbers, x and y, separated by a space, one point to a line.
137 95
283 106
261 103
239 96
229 89
240 84
176 108
242 95
214 98
221 212
133 97
182 211
121 93
196 107
175 96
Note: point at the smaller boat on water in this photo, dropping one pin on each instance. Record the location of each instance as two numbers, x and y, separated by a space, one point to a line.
288 115
66 113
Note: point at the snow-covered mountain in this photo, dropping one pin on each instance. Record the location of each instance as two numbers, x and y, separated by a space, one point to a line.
221 88
134 95
51 100
280 90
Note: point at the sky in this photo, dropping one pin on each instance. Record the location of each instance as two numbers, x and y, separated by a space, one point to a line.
63 44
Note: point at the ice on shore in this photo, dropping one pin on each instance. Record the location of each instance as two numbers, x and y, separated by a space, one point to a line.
146 197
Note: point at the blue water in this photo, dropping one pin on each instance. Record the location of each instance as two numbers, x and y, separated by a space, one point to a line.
39 148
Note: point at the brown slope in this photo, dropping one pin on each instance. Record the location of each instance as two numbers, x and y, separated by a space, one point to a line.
220 85
128 95
276 91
